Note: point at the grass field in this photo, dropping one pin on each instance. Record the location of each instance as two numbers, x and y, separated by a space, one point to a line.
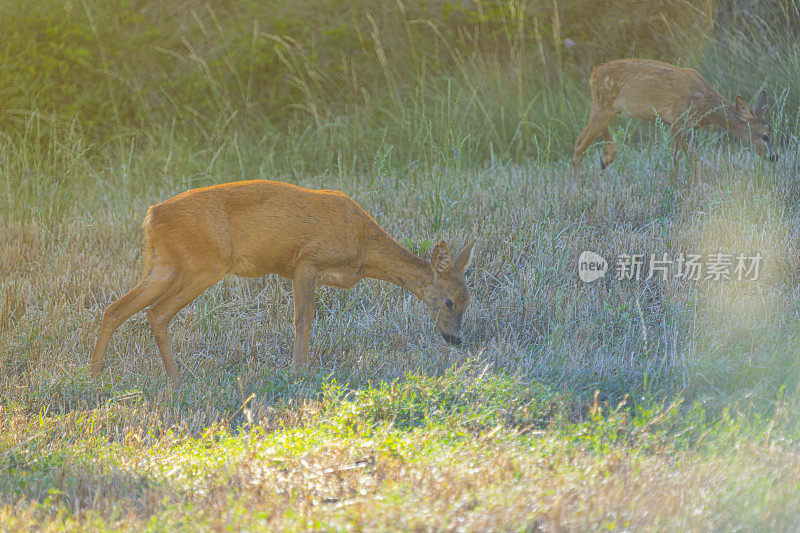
646 404
695 421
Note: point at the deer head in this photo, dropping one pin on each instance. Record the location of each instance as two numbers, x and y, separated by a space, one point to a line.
447 296
753 129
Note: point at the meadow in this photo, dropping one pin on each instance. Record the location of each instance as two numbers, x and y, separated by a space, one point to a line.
646 404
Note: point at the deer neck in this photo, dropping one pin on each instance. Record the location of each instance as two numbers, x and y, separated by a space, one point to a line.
386 260
723 116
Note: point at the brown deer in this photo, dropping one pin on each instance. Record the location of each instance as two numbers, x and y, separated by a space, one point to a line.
680 97
255 228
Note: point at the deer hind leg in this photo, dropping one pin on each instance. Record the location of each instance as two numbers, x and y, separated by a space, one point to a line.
167 306
143 294
598 123
303 289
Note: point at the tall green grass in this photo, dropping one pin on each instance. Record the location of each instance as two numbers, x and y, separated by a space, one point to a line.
247 89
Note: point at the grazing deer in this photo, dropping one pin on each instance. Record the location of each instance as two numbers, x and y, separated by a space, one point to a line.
679 97
255 228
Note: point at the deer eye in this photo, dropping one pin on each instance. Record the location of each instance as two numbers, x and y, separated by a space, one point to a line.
765 138
449 304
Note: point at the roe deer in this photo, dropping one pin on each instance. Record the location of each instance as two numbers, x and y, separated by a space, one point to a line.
680 97
259 227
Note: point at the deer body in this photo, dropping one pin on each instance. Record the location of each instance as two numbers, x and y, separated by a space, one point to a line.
259 227
680 97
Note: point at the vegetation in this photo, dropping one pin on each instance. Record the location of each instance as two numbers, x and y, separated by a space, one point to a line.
299 88
640 404
463 450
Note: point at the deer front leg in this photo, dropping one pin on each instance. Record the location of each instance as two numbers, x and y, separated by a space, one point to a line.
303 288
598 123
611 150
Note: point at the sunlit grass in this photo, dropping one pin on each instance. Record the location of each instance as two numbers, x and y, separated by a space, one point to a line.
464 450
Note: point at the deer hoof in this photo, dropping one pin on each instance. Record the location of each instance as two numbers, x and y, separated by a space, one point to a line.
298 367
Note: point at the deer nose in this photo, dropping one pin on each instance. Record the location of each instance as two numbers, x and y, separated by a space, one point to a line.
773 157
452 339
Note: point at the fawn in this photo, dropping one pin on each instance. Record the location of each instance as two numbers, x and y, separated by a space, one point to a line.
680 97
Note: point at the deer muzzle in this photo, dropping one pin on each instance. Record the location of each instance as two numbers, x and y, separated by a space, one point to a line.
452 339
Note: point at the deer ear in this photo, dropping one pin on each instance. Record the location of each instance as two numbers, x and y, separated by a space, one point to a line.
464 257
743 110
761 103
440 259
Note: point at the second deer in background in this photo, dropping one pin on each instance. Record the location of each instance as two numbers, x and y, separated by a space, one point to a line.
679 97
